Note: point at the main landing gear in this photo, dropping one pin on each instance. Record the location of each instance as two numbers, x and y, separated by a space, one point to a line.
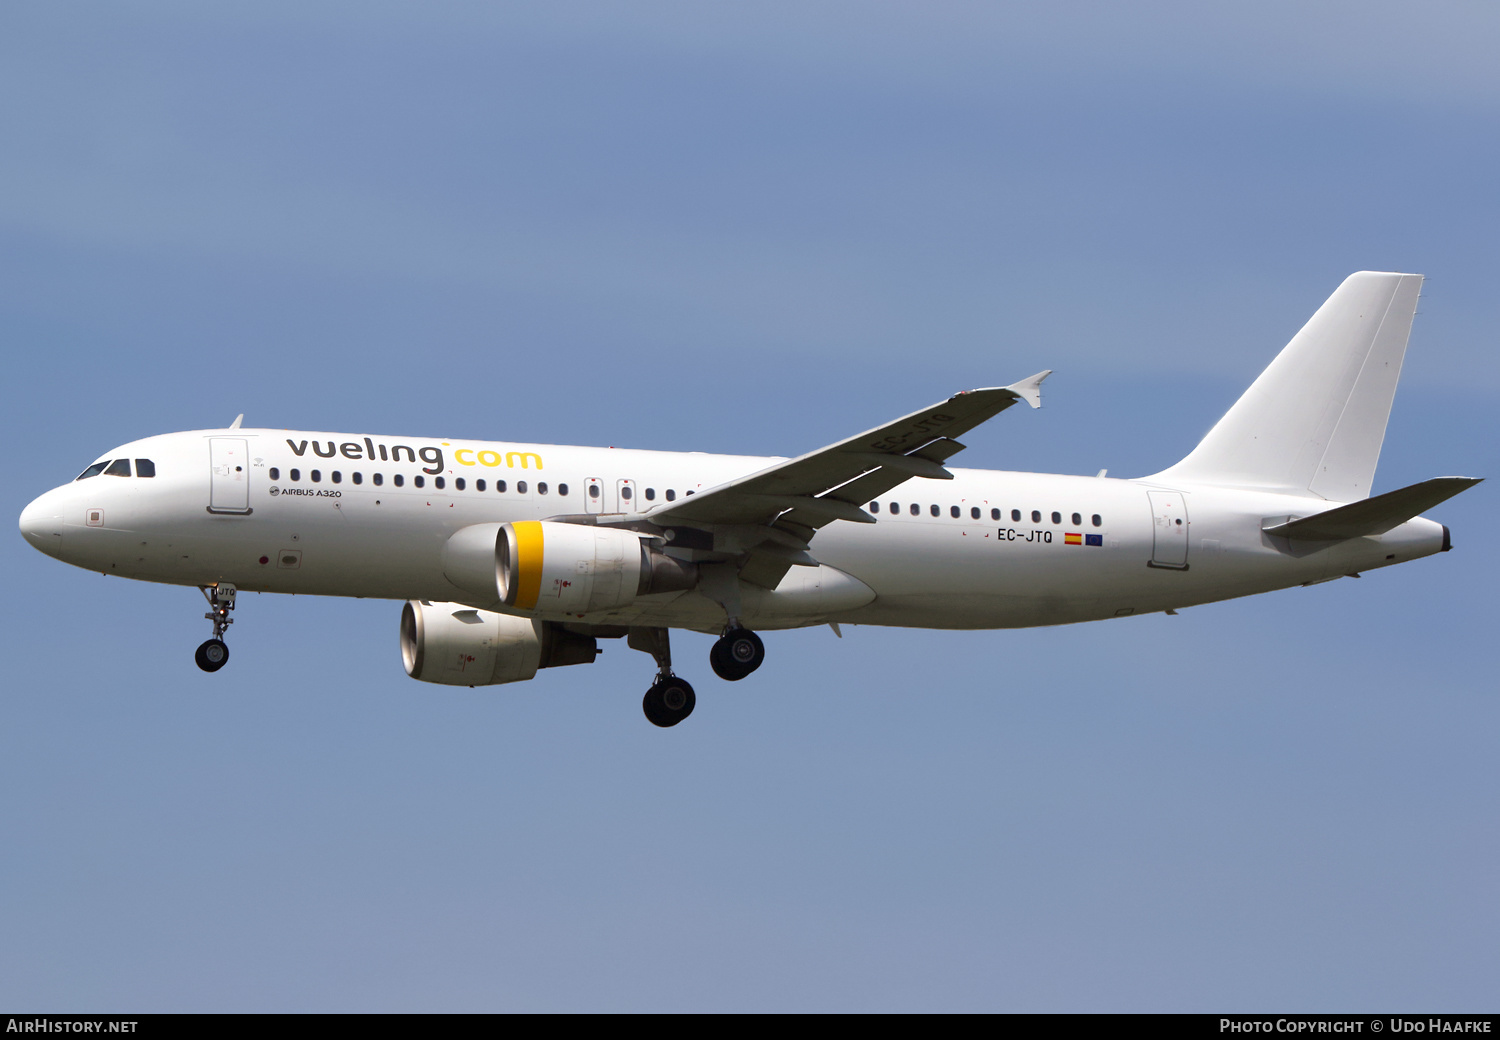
213 654
670 699
738 652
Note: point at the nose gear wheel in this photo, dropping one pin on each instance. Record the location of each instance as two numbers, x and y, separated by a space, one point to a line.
212 655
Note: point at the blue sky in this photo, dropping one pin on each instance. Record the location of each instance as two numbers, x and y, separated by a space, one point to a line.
752 230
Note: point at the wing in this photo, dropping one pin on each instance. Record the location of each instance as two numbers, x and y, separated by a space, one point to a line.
793 499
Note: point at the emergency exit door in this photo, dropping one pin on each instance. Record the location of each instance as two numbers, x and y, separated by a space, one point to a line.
625 497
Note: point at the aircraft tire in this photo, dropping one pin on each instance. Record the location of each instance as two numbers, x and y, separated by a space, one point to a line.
212 655
669 701
737 653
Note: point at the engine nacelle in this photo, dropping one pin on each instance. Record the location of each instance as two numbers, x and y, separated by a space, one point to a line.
556 569
459 646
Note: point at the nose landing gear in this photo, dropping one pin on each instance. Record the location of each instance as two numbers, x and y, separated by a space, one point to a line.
213 654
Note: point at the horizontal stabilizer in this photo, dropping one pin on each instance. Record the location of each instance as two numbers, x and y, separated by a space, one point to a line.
1373 516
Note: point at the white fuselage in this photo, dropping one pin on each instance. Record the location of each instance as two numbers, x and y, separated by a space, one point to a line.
321 514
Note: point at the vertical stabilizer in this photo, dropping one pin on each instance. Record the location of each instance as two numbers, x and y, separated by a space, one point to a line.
1315 419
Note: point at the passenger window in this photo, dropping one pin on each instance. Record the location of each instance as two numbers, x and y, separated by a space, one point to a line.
379 479
520 487
458 482
994 514
1077 520
359 478
338 478
316 475
398 480
953 512
593 490
438 482
500 486
916 510
275 473
671 495
93 471
562 489
651 494
1056 517
1036 516
895 508
145 468
1098 520
541 488
295 474
118 468
974 513
935 511
419 481
479 485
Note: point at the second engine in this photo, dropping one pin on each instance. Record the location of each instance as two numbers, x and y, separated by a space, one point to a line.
456 645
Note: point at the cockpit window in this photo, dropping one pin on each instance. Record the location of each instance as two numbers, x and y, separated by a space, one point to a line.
145 468
118 468
93 471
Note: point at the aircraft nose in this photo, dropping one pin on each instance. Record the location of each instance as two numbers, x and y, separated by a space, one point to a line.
42 524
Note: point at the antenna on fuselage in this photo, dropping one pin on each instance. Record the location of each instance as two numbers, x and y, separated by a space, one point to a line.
237 420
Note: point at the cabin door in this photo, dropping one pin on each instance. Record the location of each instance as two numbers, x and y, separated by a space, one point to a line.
229 480
1169 530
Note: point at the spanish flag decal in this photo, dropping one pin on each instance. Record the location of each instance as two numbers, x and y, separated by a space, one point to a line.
1072 539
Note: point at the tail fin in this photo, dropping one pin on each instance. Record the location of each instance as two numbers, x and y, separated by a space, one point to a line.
1315 419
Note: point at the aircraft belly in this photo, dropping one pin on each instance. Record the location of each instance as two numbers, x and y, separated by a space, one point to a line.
805 596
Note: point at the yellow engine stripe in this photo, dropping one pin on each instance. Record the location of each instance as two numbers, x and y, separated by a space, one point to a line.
528 563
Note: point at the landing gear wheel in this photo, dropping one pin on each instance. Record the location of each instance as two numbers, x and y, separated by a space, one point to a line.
669 701
737 653
212 655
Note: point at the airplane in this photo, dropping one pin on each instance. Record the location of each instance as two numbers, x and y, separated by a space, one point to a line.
515 557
